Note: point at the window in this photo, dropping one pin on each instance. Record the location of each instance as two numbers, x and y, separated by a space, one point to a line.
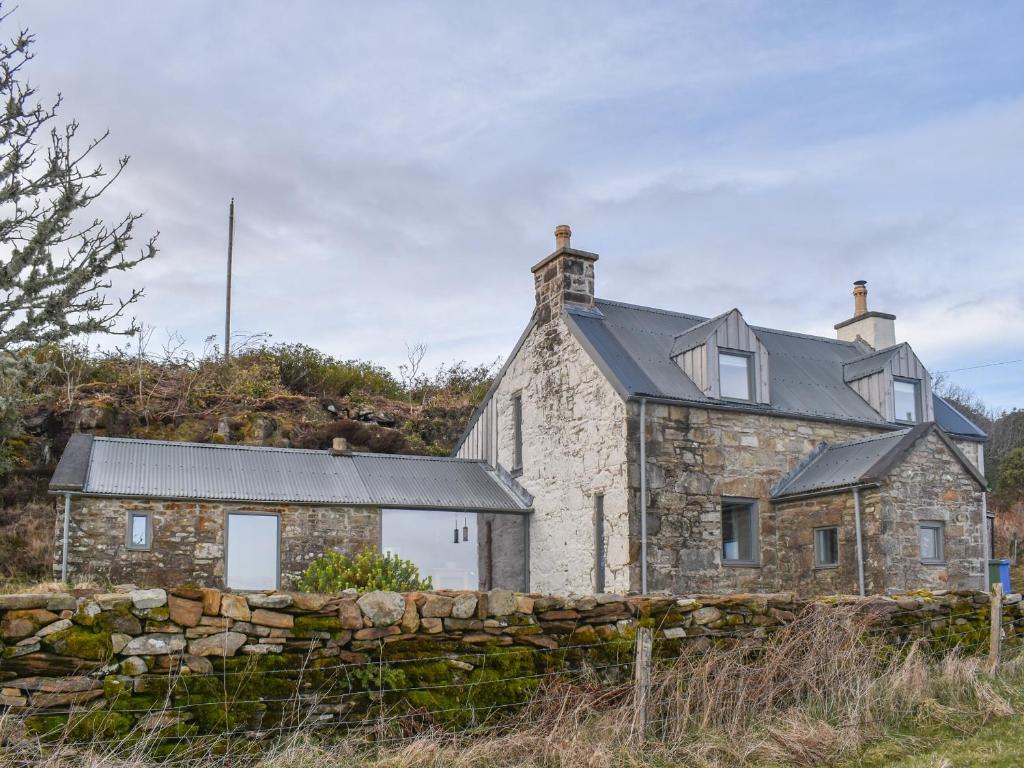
252 556
599 546
734 376
739 532
906 397
933 544
517 432
826 547
140 530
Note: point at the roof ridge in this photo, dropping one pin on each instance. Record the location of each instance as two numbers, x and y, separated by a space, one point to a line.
872 438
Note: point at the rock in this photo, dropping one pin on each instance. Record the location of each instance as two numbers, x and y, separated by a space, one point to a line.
464 666
273 619
688 604
118 641
185 612
110 600
277 600
159 613
541 641
584 603
119 621
65 699
235 607
432 626
437 606
188 592
72 684
706 615
133 665
309 601
200 665
211 601
6 700
224 644
261 649
61 602
411 617
674 633
382 608
908 603
17 624
158 644
220 622
376 633
23 648
501 602
350 615
56 626
459 625
23 602
148 598
559 616
464 607
524 604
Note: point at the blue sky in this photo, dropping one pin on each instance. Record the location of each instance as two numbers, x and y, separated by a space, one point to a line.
399 167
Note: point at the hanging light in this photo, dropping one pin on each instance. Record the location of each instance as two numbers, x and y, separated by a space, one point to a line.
455 536
465 529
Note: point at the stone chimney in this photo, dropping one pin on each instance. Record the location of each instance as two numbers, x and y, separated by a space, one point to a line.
339 447
877 329
564 277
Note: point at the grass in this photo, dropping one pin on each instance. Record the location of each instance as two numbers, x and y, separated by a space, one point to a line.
999 744
821 691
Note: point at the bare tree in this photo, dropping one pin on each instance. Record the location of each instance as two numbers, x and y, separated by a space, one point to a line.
409 372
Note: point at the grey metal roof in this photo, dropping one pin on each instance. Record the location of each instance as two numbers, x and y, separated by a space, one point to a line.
870 363
633 345
834 467
158 469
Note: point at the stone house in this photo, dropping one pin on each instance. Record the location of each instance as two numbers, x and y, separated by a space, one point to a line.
244 517
666 451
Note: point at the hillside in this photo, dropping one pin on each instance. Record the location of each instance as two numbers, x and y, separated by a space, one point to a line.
282 395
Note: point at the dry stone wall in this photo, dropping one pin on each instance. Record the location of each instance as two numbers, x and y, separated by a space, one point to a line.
196 660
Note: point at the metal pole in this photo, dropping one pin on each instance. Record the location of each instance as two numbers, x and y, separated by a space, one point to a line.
860 542
64 542
986 549
643 496
227 312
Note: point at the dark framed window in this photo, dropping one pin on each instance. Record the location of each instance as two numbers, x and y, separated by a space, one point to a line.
826 547
906 397
517 432
599 544
739 532
140 530
736 375
932 537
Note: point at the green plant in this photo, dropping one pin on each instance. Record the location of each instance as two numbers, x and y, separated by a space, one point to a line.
367 571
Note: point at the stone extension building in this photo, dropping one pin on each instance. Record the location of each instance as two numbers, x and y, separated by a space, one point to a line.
665 451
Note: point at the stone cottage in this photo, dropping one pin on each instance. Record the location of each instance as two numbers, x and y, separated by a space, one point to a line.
250 518
666 451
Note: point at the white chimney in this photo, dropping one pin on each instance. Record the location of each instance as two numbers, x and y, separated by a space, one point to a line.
877 329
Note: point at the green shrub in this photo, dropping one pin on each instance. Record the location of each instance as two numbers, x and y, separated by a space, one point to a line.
367 571
308 371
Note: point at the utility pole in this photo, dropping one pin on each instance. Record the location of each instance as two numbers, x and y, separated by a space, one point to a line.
227 312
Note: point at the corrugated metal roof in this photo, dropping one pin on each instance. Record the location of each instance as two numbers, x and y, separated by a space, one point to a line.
870 363
954 422
839 466
633 345
158 469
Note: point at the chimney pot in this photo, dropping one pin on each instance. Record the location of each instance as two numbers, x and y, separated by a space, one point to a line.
563 232
860 297
339 447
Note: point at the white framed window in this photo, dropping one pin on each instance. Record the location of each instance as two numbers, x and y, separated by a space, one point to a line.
253 551
826 547
739 532
735 376
140 530
906 397
932 538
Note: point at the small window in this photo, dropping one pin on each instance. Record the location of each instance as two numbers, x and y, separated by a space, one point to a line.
517 432
253 551
933 543
140 530
826 547
906 397
599 545
734 376
739 532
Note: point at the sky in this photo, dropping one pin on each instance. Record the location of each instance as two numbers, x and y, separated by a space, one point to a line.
399 167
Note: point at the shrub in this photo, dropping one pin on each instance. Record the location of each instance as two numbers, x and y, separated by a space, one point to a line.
308 371
367 571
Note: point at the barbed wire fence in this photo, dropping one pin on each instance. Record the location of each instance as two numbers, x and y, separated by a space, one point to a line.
388 702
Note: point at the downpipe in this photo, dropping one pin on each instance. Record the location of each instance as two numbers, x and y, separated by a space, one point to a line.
643 496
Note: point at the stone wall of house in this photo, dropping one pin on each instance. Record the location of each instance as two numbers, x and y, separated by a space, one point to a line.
574 448
191 661
695 456
931 485
188 538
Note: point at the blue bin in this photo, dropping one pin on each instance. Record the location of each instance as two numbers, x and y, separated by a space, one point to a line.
999 573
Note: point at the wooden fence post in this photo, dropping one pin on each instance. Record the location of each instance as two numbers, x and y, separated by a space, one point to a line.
995 638
642 678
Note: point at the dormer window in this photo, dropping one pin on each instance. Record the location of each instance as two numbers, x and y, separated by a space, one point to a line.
735 375
906 396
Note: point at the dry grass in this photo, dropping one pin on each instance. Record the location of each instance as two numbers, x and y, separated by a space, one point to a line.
813 693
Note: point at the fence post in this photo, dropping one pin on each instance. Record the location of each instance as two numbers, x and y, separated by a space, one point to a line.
642 678
995 639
